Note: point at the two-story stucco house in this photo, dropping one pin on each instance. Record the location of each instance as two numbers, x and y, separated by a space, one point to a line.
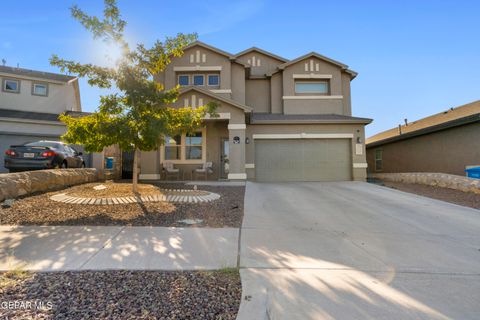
279 119
30 102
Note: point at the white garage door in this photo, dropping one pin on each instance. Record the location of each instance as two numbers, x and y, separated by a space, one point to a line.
303 160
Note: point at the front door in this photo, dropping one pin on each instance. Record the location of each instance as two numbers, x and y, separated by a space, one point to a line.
224 158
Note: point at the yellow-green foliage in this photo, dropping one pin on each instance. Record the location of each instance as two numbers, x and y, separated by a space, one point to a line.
141 114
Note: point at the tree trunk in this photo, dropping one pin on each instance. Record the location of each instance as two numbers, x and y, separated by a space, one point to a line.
135 170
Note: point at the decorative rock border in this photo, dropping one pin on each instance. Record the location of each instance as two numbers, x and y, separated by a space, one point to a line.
177 198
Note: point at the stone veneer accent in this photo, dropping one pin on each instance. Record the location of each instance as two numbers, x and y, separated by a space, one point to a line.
179 196
17 184
432 179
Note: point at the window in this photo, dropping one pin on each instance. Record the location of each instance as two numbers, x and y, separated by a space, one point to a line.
317 87
198 80
193 146
183 80
172 147
378 160
213 80
11 85
185 148
40 89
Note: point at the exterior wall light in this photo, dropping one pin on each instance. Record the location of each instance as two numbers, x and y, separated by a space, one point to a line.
247 140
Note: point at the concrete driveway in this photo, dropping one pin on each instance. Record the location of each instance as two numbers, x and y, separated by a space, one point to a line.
352 250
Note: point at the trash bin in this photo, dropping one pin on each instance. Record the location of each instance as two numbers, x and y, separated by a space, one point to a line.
473 172
109 162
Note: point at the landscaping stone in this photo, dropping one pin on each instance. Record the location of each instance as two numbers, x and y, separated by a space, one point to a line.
432 179
7 203
13 185
191 221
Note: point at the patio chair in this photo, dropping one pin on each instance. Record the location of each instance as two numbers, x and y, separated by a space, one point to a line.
170 170
207 167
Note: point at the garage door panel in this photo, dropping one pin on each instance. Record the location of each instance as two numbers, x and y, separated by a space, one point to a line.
303 160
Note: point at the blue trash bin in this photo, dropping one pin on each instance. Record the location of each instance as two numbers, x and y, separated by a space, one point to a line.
473 172
109 163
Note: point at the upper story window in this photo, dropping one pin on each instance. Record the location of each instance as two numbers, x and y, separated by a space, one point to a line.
40 89
184 80
10 85
312 87
198 80
213 80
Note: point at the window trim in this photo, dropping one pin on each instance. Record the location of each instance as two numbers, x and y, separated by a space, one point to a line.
327 81
203 80
178 145
42 84
183 75
4 84
183 159
378 159
208 80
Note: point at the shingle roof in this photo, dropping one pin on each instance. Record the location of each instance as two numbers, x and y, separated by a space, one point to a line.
36 74
430 121
260 118
16 114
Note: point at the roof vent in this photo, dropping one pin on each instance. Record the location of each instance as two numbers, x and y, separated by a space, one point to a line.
406 121
399 129
4 61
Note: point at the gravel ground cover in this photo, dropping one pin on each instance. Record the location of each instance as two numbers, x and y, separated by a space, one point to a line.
121 295
467 199
123 189
41 210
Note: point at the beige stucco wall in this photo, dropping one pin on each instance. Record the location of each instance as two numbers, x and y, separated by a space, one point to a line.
267 64
338 88
258 95
61 97
447 151
213 59
238 83
313 106
356 130
276 93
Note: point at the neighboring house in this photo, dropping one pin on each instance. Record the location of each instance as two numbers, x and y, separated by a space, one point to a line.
279 119
446 142
30 102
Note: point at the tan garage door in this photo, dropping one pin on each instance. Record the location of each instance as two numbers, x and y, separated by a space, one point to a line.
303 160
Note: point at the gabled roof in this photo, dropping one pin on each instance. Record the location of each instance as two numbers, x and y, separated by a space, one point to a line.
451 117
262 52
344 67
217 97
36 74
226 54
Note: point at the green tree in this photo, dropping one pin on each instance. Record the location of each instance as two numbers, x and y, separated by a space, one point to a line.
140 116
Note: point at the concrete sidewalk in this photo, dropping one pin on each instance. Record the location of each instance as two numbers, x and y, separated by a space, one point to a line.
50 248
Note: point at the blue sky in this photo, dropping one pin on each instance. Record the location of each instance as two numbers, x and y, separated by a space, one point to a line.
414 58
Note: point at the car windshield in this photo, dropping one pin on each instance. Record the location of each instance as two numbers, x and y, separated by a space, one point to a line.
43 144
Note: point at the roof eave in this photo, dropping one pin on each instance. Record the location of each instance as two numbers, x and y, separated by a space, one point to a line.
428 130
